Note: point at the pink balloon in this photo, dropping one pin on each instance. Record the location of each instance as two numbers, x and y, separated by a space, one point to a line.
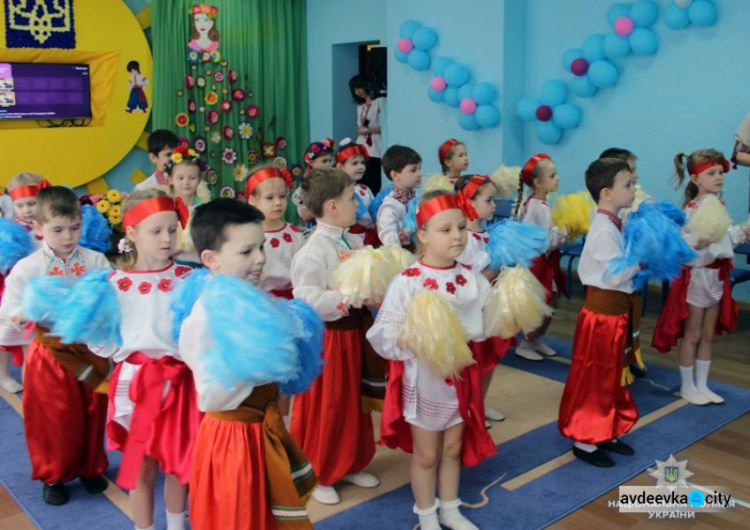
405 45
468 106
624 26
438 83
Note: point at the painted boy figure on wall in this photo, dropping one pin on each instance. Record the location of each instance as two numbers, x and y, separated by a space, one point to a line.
136 83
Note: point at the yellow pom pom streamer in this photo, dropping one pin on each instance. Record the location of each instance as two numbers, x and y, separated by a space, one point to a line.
438 181
573 212
505 179
710 222
516 303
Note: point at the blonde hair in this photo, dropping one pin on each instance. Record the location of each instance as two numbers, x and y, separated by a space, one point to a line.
25 178
682 163
129 258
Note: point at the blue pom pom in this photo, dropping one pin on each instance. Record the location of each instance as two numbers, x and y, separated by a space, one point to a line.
15 244
42 298
671 211
361 207
309 330
252 339
96 232
377 202
410 220
513 243
90 313
184 297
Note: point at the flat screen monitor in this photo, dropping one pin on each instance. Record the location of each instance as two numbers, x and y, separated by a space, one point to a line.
39 91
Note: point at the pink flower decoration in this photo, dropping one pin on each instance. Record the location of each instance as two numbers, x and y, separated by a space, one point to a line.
431 283
229 156
226 106
232 76
438 83
124 284
228 132
405 45
218 76
213 117
238 95
252 111
189 81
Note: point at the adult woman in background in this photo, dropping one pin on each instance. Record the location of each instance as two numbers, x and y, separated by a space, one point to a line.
369 118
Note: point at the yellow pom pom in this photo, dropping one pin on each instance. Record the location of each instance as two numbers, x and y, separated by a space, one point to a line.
710 222
114 196
516 303
397 258
505 179
434 334
103 206
438 181
573 212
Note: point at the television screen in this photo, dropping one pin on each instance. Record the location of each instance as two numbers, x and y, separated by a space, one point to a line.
36 91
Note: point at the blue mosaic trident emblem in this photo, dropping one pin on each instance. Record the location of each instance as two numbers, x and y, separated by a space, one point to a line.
39 24
671 474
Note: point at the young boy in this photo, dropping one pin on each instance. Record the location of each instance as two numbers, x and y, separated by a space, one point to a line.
236 482
63 417
596 407
403 166
161 143
328 420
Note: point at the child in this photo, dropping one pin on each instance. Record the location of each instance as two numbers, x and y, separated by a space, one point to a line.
317 155
453 159
700 301
63 418
539 174
160 143
236 482
23 190
267 189
596 407
328 421
438 417
477 194
403 166
136 83
186 186
153 414
352 159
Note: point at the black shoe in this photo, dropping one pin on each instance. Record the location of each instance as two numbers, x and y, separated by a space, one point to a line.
55 494
94 484
596 458
637 371
619 447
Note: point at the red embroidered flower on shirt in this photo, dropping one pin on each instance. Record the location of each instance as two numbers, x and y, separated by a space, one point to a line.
78 269
181 270
144 288
341 307
476 236
460 280
288 237
294 228
450 287
431 283
412 272
56 271
275 242
124 284
165 285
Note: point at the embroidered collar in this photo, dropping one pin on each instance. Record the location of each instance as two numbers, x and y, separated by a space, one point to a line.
161 178
72 266
612 217
403 196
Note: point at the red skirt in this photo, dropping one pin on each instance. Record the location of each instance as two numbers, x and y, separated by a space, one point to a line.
282 293
161 428
595 406
670 326
327 420
370 235
477 444
64 421
488 352
547 270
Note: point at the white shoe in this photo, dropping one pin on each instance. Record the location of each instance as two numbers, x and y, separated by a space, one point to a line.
10 385
492 414
362 479
527 353
326 495
541 347
450 516
695 397
713 396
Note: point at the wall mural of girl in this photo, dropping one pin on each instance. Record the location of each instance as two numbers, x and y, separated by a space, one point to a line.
204 36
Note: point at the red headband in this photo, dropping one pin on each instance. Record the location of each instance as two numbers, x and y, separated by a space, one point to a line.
350 151
467 193
530 165
443 151
434 206
28 191
147 208
265 174
697 169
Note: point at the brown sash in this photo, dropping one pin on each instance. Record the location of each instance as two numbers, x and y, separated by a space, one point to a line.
88 368
614 303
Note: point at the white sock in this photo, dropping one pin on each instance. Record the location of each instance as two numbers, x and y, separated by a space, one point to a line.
451 516
428 519
701 374
589 448
687 378
152 527
526 344
175 521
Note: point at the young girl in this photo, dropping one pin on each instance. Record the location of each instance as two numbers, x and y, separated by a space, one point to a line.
267 190
477 194
317 154
204 37
453 158
187 188
352 159
700 301
423 412
153 413
539 174
136 83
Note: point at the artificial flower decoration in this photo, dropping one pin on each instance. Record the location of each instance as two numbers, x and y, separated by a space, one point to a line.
228 132
279 162
552 114
213 117
269 150
226 106
191 127
181 119
225 91
253 157
113 196
211 97
250 94
216 56
180 93
218 76
181 153
280 143
200 81
232 76
252 111
238 95
102 205
184 142
224 62
227 192
208 72
110 205
296 170
681 13
212 177
205 56
206 9
245 130
193 56
414 45
199 144
216 137
241 171
631 29
191 105
189 81
229 156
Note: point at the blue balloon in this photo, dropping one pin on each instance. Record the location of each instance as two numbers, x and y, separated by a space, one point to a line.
419 59
569 56
408 27
456 75
526 108
466 91
583 87
548 133
676 17
401 56
617 11
451 97
436 96
593 48
468 121
566 116
616 46
484 93
440 64
603 74
702 13
644 13
643 41
425 38
553 92
487 116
